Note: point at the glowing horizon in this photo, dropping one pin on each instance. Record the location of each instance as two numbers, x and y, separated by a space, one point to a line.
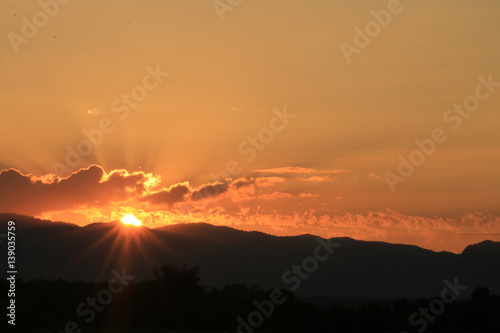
252 204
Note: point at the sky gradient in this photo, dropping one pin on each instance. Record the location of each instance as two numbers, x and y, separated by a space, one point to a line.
257 120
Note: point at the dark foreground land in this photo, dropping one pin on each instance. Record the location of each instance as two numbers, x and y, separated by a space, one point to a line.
177 301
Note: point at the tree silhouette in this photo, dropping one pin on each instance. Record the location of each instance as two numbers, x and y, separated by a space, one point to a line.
176 299
180 293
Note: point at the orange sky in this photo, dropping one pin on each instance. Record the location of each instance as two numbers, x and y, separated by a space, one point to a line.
166 102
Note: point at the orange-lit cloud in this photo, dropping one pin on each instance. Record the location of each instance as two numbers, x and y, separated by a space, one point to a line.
269 181
308 195
275 196
293 169
317 179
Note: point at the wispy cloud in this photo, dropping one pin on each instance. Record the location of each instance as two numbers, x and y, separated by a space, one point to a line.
300 170
275 196
317 179
269 181
308 195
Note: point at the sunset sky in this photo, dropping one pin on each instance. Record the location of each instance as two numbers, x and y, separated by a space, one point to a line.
178 95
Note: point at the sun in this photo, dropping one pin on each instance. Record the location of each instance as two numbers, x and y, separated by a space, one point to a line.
131 219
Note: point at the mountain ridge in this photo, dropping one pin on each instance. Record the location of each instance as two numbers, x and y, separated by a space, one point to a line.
190 225
225 255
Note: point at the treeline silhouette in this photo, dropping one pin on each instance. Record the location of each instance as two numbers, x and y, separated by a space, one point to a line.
176 299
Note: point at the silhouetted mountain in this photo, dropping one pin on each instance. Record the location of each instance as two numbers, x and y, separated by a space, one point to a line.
225 256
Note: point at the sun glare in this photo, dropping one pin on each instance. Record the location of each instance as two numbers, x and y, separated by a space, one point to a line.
131 219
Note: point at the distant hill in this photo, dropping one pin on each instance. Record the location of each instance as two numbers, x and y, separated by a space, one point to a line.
53 250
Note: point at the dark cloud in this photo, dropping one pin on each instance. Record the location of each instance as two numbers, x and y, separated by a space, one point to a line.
241 182
175 193
28 194
92 187
209 190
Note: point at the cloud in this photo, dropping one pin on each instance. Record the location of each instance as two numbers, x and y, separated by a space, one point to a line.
289 169
375 176
437 233
93 188
241 182
238 190
209 190
298 170
173 194
308 195
93 111
268 181
28 194
275 196
317 179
